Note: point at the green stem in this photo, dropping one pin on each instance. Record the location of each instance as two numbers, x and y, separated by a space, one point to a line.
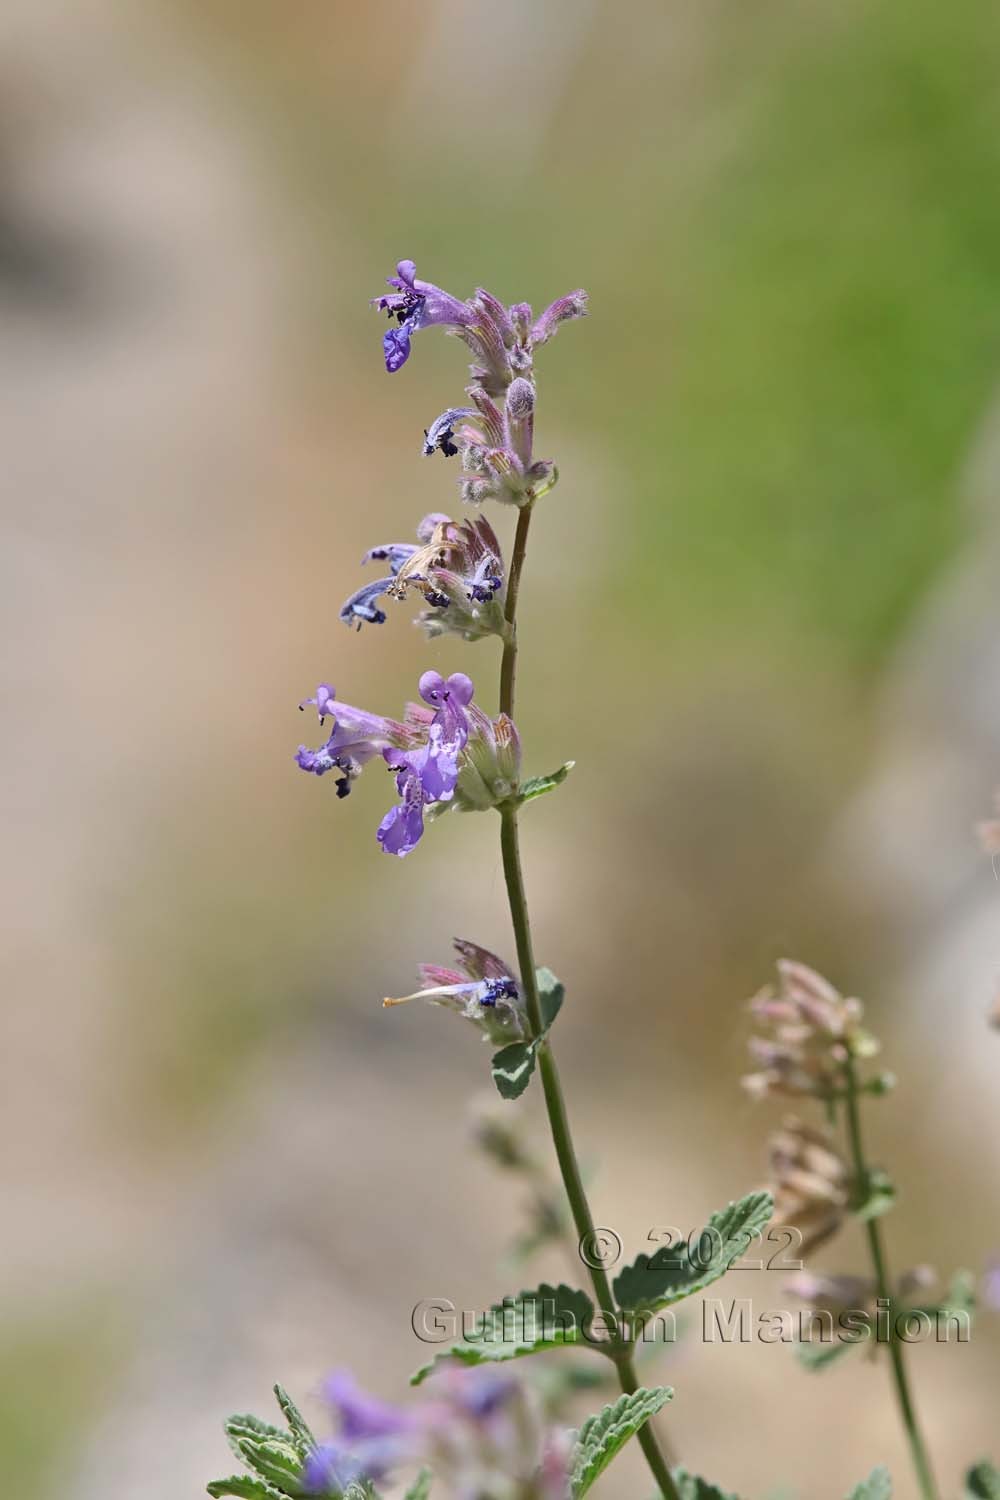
555 1102
508 662
921 1462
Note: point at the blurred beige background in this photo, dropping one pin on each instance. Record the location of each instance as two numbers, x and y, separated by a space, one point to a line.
760 612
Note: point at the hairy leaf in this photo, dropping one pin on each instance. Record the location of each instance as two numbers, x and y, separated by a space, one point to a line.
244 1487
301 1436
604 1435
551 993
537 786
421 1486
878 1486
244 1426
512 1068
546 1318
677 1271
276 1461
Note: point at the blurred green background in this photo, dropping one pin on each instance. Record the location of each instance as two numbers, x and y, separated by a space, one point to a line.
760 612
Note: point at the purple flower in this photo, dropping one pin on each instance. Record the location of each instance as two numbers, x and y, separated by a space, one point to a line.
447 752
415 304
502 339
372 1438
487 1434
357 737
455 566
441 433
359 1414
329 1469
482 1432
482 989
429 773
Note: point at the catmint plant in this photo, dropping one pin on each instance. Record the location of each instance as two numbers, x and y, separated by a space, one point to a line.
474 1428
810 1043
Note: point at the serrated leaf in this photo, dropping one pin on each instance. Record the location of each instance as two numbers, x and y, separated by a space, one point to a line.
302 1438
537 786
606 1433
677 1271
693 1487
546 1318
244 1487
513 1067
551 993
878 1486
421 1486
815 1354
982 1482
244 1427
277 1462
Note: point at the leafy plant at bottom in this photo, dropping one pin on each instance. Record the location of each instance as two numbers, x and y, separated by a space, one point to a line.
277 1456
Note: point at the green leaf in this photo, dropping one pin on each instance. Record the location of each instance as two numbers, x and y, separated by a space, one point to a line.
244 1487
604 1435
876 1196
677 1271
693 1487
551 993
302 1438
878 1486
244 1425
814 1354
277 1462
245 1428
537 786
982 1482
546 1318
513 1067
421 1486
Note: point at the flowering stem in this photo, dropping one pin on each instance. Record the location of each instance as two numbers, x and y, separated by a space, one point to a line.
555 1103
921 1462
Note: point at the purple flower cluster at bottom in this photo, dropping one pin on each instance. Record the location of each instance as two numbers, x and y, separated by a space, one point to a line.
479 1430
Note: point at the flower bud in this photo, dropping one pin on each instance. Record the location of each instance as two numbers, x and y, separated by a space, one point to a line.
520 316
808 1034
492 763
811 1182
521 418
